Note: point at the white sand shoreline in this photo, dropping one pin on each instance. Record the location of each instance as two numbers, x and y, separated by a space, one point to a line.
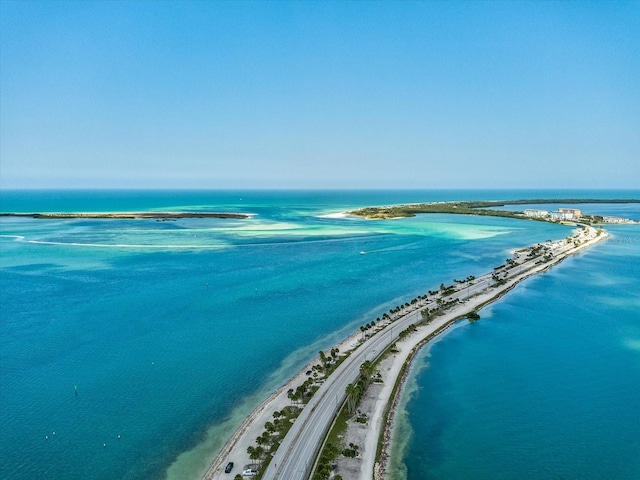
335 215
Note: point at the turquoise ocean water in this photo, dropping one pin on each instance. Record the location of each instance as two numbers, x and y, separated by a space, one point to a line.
545 386
173 331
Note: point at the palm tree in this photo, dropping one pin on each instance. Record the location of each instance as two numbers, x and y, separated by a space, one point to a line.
295 396
255 453
300 391
259 453
323 358
251 450
264 439
269 427
352 393
367 370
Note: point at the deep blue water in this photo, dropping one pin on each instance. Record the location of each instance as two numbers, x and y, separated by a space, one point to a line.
170 328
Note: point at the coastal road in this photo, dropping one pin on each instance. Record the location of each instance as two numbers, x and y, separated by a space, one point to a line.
295 456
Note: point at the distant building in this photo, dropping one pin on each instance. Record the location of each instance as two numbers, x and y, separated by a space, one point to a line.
573 211
529 212
561 215
614 220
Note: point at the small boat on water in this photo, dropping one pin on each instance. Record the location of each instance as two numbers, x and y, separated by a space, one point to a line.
362 252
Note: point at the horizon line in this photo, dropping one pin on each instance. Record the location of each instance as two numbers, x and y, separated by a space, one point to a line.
312 189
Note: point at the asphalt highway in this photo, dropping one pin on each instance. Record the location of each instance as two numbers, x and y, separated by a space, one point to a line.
298 449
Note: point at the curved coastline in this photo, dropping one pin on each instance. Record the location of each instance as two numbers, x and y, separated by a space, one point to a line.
410 349
375 453
386 435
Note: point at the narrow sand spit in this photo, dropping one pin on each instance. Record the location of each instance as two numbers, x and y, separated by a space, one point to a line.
410 346
366 436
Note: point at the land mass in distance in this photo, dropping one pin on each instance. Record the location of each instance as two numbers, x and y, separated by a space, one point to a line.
127 215
471 207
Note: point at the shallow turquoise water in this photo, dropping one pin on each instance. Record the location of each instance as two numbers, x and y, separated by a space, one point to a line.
545 385
167 327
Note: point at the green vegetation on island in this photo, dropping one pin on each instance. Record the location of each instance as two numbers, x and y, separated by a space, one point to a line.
471 207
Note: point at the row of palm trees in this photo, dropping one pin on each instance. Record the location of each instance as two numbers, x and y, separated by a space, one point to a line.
468 279
274 432
417 302
497 280
443 305
368 326
421 300
354 391
333 356
302 393
269 441
256 454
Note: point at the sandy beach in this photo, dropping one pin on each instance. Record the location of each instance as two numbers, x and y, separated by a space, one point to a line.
339 215
391 367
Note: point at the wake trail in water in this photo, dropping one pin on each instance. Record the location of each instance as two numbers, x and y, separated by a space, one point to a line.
17 238
407 246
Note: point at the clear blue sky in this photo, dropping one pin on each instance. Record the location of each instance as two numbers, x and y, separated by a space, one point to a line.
319 94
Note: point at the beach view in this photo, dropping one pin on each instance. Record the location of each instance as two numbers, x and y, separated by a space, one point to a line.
319 240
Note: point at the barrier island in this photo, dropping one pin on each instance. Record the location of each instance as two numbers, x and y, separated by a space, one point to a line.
334 419
475 208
